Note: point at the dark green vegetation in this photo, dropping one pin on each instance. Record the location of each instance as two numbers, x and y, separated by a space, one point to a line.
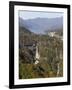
51 55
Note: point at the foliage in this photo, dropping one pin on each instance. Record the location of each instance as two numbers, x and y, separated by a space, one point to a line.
51 54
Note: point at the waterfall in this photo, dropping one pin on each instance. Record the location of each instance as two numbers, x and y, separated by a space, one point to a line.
37 56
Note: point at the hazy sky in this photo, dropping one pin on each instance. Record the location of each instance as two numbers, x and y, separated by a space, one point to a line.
35 14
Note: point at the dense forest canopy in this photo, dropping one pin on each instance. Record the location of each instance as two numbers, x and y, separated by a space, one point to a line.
51 55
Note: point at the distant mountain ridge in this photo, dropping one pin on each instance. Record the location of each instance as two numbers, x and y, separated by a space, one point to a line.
40 25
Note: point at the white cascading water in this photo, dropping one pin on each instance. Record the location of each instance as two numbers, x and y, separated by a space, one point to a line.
37 56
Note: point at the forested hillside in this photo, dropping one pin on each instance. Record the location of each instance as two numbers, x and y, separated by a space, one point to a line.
50 51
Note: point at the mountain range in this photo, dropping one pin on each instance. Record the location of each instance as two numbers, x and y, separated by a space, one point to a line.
40 25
